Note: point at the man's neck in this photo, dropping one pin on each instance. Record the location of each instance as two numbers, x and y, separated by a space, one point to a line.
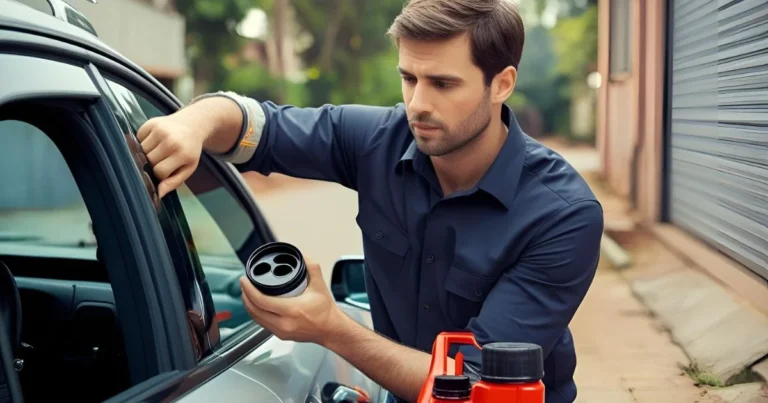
463 169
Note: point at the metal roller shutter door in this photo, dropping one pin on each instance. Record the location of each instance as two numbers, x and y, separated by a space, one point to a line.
718 162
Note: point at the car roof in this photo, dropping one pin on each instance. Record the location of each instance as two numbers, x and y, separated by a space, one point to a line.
20 17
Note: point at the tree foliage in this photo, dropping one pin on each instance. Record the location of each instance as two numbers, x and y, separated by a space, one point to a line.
210 35
350 50
575 40
349 58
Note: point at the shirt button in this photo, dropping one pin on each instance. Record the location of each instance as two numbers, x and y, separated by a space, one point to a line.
427 307
379 235
478 292
430 259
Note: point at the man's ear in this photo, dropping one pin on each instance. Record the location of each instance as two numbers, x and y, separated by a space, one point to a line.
503 85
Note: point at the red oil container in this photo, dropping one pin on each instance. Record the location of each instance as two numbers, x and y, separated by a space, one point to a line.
511 373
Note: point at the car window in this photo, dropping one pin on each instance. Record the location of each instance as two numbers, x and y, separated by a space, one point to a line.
48 244
40 203
221 229
202 196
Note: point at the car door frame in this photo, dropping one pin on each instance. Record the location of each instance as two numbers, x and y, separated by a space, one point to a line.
148 299
250 336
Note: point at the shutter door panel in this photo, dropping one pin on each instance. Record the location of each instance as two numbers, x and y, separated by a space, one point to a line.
719 130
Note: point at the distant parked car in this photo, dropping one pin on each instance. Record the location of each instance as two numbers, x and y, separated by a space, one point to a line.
107 292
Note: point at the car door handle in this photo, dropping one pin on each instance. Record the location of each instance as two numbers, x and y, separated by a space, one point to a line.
337 393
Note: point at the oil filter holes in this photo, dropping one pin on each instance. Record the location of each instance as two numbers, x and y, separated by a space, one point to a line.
261 269
282 270
286 259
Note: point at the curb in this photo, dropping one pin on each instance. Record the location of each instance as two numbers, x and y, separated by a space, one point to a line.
618 257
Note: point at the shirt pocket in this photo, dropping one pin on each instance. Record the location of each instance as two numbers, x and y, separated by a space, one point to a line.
465 293
384 245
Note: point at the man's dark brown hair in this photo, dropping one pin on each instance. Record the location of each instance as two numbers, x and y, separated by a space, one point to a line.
495 29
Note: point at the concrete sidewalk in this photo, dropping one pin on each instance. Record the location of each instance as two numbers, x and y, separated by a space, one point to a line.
675 345
624 355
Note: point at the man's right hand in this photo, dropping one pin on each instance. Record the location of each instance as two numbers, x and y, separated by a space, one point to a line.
173 146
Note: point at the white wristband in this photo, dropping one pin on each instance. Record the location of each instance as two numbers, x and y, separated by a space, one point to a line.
250 131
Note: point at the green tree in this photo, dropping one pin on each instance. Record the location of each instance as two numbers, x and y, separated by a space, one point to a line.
211 36
349 59
575 41
565 8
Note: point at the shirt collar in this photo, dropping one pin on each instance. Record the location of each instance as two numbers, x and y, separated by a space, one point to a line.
500 181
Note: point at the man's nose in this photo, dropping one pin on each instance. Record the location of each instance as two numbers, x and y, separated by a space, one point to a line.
419 101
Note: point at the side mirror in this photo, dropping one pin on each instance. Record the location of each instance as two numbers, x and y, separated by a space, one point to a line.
348 282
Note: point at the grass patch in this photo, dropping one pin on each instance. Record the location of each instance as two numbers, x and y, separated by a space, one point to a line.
700 376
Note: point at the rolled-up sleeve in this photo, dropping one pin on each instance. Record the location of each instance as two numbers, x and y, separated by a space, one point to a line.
322 143
535 300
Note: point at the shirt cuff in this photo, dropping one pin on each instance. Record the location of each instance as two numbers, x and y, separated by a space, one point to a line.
251 130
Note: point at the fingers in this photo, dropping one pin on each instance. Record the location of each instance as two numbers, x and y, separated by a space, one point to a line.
174 181
151 147
258 299
261 316
146 129
159 146
151 142
170 150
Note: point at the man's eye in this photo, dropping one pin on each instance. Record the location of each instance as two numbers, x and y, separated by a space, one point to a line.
442 84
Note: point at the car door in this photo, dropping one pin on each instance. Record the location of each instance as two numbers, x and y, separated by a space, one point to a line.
225 226
118 289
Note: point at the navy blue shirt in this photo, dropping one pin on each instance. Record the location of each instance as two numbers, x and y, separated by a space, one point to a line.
510 259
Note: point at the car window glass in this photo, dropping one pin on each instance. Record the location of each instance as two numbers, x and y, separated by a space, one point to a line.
40 202
220 226
48 244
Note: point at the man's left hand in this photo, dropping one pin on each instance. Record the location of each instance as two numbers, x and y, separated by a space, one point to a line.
309 317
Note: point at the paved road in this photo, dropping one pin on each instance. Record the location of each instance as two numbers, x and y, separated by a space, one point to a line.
317 217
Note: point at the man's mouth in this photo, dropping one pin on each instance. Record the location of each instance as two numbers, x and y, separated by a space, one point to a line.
422 126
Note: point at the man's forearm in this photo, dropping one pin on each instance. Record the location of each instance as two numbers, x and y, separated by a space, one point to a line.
220 117
395 367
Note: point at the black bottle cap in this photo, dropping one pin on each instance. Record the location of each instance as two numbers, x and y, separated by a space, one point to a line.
512 363
451 387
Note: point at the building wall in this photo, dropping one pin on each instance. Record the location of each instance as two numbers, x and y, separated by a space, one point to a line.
630 108
150 34
630 138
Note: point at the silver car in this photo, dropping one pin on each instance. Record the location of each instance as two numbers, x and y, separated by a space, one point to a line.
106 292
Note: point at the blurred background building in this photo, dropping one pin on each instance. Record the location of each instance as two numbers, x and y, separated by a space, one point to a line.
151 33
682 127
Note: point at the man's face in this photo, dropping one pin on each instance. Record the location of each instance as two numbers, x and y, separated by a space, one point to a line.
447 102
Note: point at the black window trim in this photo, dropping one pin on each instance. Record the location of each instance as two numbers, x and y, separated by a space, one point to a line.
170 295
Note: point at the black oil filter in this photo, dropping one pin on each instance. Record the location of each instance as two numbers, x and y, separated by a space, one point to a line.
277 269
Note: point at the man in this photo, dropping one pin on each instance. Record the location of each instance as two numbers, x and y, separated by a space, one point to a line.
468 223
